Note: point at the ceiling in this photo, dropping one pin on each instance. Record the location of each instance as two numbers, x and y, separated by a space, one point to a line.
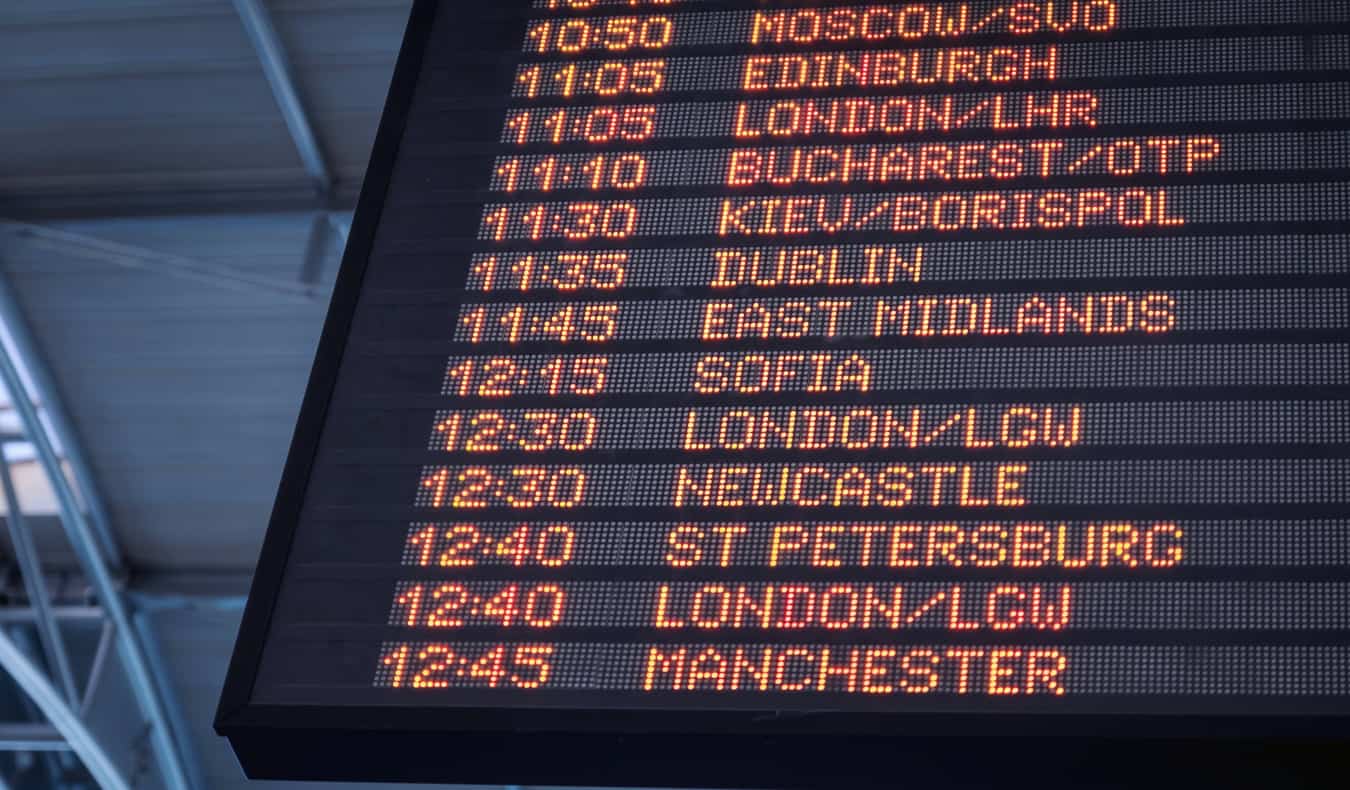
168 247
172 257
162 105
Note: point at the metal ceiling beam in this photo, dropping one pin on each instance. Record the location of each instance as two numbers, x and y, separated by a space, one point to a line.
63 719
129 257
262 31
25 737
155 603
290 195
23 614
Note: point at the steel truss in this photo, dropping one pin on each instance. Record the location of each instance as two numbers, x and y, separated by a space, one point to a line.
276 65
47 677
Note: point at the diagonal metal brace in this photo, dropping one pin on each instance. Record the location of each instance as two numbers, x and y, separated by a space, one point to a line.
49 701
262 31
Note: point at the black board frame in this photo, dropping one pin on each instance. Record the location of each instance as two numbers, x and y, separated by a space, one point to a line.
702 748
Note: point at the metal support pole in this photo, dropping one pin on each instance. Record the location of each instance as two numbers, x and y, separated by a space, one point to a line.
49 633
83 541
177 724
316 250
44 391
277 67
49 701
342 226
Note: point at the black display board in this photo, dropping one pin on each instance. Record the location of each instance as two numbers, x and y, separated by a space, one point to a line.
735 394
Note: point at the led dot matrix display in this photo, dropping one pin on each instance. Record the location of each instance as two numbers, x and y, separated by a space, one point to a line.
889 358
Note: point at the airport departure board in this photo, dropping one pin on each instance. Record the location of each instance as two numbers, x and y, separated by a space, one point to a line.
979 358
